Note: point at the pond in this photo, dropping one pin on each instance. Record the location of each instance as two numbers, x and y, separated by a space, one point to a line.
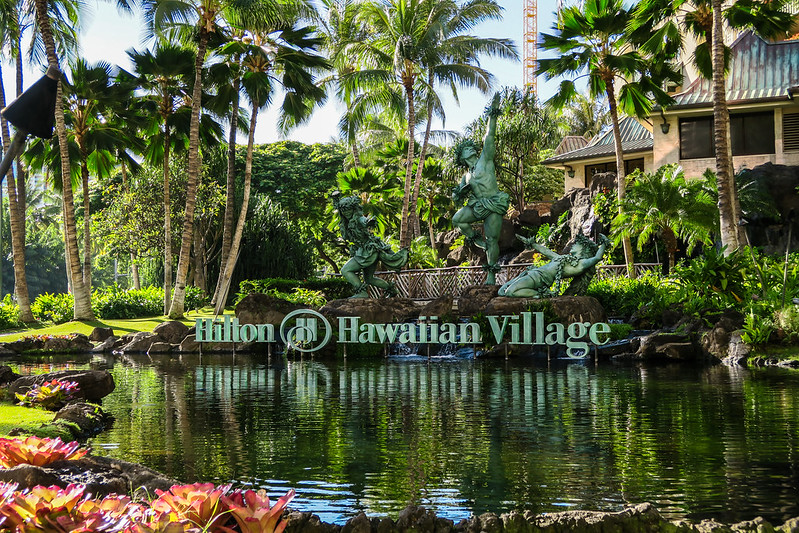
466 436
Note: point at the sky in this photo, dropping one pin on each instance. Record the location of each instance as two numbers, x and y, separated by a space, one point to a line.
106 35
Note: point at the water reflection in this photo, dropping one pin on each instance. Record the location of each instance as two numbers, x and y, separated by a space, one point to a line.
467 436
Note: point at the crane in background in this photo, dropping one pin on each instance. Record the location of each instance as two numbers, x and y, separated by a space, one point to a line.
530 37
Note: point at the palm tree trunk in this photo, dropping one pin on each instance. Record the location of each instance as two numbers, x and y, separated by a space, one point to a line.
728 213
178 300
167 225
134 272
405 240
22 195
199 260
82 294
417 183
670 239
87 222
17 229
621 185
235 247
230 188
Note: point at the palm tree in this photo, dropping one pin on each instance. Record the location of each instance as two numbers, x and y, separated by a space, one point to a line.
416 43
594 41
80 291
165 73
659 23
666 203
285 56
586 116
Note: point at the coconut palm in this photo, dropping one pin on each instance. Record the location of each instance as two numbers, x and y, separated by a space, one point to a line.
283 55
662 23
665 203
410 39
593 41
165 73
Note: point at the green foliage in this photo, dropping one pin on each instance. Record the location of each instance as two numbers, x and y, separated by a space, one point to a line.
311 289
787 320
721 280
622 296
620 331
51 395
9 314
757 329
56 308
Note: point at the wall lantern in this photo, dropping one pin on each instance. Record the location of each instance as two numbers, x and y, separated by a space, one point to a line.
569 171
664 127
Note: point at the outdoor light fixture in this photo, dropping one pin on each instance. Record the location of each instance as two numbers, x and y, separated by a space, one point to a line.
32 113
664 127
569 171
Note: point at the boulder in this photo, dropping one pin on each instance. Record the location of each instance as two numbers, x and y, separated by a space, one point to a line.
106 346
172 331
524 257
76 342
507 238
189 344
566 309
159 347
474 299
7 375
101 475
89 419
4 350
140 342
441 306
25 345
94 385
258 308
529 217
667 346
375 311
99 334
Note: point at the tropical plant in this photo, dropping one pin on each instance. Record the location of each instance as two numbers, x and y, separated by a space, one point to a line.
253 513
721 280
661 25
585 116
594 41
421 42
37 451
665 203
757 329
51 395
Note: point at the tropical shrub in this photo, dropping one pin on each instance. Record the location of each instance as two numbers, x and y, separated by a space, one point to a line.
9 314
51 395
787 322
201 504
723 281
37 451
330 288
757 329
622 296
56 308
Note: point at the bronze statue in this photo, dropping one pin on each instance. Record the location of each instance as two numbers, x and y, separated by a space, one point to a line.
486 202
579 264
366 249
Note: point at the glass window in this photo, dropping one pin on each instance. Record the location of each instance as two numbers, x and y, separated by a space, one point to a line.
750 133
696 137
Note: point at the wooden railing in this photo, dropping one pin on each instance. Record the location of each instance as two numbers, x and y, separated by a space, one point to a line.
430 283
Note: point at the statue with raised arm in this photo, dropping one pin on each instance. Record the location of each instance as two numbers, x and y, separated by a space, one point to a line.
579 264
486 202
366 249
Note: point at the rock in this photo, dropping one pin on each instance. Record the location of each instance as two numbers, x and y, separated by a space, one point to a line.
258 308
7 375
529 217
5 350
507 238
25 345
172 331
566 309
94 385
444 241
101 475
76 342
738 351
106 346
140 342
673 346
88 418
159 347
458 256
474 299
99 334
382 311
189 344
415 518
440 307
716 342
643 517
525 257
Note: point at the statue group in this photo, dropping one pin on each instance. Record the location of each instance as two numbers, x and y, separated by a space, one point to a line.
484 203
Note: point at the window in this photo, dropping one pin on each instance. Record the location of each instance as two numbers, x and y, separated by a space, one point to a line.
790 131
750 133
600 168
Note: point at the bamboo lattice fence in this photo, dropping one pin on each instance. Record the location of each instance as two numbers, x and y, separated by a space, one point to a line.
430 283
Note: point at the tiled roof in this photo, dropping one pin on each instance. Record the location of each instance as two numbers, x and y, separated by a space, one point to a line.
634 138
759 70
571 143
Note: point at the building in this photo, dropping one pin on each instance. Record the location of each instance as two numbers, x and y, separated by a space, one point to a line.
764 120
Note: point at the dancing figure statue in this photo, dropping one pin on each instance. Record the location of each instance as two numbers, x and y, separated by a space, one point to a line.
579 264
366 249
486 202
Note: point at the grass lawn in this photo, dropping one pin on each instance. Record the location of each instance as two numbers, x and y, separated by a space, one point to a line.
120 326
12 416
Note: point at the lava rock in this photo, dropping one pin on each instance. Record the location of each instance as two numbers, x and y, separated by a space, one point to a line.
256 308
140 342
189 344
88 418
106 346
441 306
100 334
77 342
172 331
159 347
380 311
7 375
474 299
93 385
